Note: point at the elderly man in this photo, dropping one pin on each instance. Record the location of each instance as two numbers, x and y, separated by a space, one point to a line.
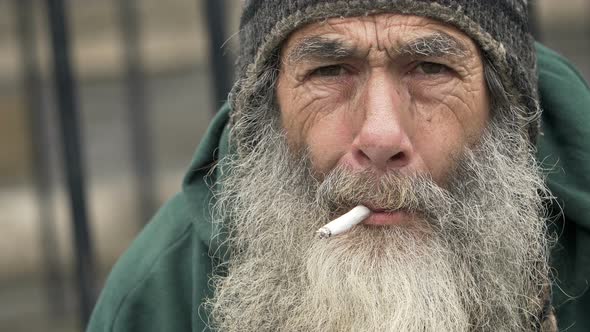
424 112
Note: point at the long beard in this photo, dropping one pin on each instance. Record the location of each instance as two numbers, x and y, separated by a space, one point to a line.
474 260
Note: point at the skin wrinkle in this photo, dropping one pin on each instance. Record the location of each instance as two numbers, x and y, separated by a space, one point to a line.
323 49
471 139
311 99
474 91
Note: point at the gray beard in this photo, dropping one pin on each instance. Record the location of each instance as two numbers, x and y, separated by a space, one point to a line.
475 260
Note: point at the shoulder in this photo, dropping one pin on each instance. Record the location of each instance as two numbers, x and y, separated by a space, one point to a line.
564 153
151 286
562 146
159 283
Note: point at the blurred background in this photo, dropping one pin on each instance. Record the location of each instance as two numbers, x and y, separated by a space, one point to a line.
105 101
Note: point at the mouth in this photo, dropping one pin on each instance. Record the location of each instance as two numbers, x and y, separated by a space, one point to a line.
384 217
396 218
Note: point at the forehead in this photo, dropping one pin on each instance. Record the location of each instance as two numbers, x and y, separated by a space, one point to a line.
383 31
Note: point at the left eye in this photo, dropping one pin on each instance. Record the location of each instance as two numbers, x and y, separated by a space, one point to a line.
431 68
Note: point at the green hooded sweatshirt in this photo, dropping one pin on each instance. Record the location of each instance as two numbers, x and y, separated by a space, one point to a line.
160 282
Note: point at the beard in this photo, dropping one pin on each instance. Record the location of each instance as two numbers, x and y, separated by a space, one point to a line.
473 258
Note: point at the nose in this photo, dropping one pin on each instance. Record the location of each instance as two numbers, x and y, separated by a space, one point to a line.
383 138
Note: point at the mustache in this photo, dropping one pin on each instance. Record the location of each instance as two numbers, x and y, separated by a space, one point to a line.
344 188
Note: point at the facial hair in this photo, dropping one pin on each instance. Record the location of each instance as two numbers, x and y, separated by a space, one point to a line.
474 258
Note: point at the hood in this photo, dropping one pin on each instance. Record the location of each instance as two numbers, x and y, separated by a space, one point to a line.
200 181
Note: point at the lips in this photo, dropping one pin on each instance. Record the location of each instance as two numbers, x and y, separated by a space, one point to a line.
383 217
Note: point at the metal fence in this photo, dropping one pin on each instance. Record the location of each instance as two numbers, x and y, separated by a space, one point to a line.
67 106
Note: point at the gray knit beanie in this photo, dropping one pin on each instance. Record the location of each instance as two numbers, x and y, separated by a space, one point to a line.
499 27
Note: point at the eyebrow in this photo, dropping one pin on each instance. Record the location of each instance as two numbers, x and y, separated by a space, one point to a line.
437 44
321 48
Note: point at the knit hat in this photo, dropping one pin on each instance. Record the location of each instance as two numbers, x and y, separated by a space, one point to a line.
499 28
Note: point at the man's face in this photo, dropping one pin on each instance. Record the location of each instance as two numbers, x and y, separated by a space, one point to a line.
382 93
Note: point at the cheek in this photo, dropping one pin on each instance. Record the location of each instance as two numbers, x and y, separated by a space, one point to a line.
447 122
437 146
299 104
328 140
317 118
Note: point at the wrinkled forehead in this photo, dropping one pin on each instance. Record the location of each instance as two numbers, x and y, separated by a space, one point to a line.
394 33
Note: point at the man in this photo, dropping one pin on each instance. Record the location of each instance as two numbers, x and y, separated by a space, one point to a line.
426 112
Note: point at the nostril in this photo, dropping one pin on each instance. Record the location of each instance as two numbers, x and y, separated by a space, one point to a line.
378 159
398 158
362 156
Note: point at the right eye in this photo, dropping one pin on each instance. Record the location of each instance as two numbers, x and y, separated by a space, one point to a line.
329 71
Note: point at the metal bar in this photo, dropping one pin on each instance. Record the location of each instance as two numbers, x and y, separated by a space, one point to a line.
220 64
138 115
70 134
33 90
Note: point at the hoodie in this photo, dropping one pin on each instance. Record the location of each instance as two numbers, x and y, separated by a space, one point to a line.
160 282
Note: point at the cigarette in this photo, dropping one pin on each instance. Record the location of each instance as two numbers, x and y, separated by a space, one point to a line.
344 222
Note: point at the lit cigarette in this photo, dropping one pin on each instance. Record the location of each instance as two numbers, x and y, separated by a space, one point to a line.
344 222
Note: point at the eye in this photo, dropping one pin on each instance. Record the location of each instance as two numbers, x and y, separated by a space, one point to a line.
329 71
431 68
